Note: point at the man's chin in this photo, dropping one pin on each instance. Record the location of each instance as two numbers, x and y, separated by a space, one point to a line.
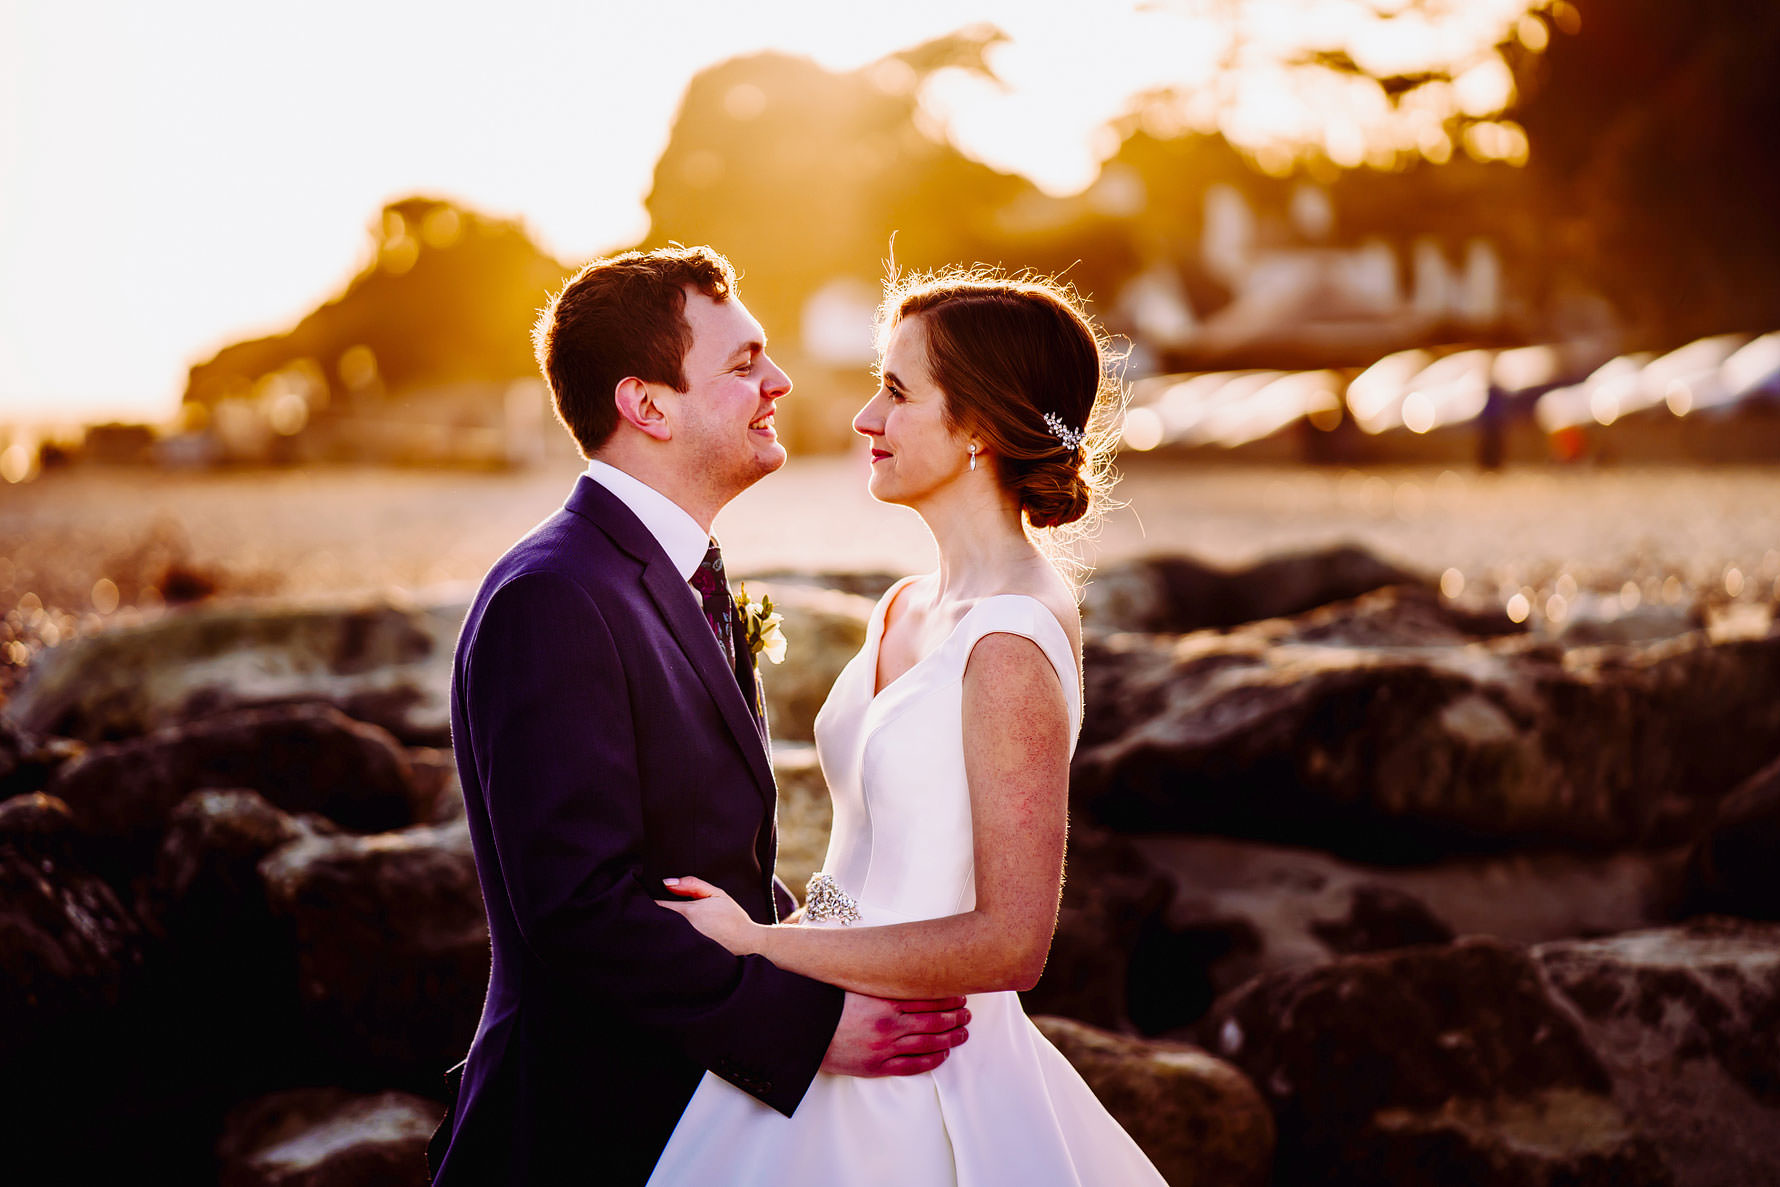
766 461
773 458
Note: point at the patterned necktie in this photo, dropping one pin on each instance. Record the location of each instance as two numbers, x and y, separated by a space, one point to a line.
719 606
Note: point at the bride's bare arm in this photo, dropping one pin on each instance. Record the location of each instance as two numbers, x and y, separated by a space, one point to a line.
1016 758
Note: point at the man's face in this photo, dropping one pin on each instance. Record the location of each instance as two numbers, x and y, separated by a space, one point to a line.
723 422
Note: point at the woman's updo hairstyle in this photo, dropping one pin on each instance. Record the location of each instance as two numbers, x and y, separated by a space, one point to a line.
1007 352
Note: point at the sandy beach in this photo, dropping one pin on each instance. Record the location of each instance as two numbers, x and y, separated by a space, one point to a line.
322 530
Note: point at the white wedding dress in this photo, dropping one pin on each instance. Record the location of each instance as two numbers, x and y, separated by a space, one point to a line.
1005 1108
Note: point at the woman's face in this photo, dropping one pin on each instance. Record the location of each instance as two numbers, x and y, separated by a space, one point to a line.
913 452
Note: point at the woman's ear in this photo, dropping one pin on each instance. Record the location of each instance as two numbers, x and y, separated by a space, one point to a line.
638 406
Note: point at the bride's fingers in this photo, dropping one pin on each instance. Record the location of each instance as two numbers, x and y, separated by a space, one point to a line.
690 887
679 908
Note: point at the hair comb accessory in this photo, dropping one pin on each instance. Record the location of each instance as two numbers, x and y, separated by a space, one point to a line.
1071 438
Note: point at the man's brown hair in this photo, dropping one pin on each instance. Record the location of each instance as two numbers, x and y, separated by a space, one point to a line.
622 317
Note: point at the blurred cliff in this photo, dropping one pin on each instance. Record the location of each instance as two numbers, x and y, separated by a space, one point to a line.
424 357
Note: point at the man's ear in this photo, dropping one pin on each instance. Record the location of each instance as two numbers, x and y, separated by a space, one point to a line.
637 405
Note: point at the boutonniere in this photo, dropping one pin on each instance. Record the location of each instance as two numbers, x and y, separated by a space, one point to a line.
761 625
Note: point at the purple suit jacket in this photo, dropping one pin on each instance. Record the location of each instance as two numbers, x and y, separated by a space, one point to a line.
604 744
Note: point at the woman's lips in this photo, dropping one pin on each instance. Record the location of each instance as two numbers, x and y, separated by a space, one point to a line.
878 455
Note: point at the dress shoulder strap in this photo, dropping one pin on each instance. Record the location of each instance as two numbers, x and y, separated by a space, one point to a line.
1019 614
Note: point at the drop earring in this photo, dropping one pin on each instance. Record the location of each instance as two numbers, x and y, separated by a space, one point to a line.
973 455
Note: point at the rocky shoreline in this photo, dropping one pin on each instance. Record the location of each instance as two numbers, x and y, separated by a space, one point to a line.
1367 884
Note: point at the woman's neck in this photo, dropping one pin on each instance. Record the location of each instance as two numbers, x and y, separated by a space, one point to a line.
982 545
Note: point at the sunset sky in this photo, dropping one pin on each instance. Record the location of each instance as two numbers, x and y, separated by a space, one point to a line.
179 175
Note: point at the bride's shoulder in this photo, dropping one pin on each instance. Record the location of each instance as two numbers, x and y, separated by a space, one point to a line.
1054 598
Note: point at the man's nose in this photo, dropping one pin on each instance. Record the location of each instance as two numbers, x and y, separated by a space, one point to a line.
777 384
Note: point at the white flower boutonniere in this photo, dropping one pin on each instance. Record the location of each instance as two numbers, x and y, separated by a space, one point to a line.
761 625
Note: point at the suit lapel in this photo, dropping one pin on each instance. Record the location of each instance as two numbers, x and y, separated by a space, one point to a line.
678 607
746 678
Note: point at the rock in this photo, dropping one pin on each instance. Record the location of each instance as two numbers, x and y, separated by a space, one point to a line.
823 629
438 794
392 947
326 1137
231 1007
306 758
208 866
72 959
1595 620
1424 745
378 660
1196 1117
1686 1021
806 814
1111 901
28 763
1177 594
1731 868
1449 1064
1241 909
69 949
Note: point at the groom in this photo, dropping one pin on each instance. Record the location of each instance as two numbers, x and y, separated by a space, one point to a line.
605 726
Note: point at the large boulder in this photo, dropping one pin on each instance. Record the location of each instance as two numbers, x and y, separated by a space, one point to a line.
379 660
392 948
438 794
1177 594
1242 908
229 965
304 758
326 1137
1731 868
1448 1064
1197 1118
1112 900
27 763
78 1092
69 948
1686 1021
823 629
1385 729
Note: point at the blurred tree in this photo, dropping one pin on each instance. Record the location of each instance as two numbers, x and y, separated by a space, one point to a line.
448 296
801 175
1653 128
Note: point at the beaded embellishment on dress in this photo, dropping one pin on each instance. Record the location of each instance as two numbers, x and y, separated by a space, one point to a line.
824 900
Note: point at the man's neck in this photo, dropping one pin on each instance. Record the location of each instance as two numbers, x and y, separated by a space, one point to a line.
663 479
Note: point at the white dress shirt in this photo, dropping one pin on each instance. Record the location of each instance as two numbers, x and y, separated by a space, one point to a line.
676 531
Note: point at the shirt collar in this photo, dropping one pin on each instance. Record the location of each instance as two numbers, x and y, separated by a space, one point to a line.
676 531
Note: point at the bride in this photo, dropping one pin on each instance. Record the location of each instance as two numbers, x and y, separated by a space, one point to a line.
946 745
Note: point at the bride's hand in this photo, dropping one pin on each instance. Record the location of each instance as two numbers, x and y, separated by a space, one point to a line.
714 913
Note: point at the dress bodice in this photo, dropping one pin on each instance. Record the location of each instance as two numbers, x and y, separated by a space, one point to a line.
902 843
1006 1107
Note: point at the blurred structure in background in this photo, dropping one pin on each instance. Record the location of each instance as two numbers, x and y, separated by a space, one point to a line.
1361 233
